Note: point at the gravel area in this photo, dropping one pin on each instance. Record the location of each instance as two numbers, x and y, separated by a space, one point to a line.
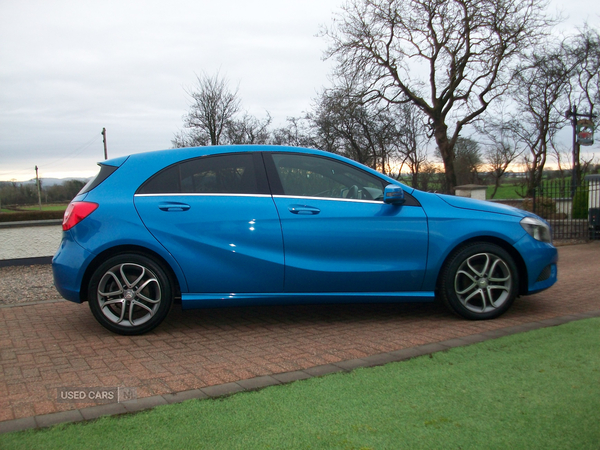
20 284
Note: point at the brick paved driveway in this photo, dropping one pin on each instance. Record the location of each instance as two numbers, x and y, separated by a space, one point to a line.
51 345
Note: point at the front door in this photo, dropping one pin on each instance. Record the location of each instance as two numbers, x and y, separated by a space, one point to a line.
339 235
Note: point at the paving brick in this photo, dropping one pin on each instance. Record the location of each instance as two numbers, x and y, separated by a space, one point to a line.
491 334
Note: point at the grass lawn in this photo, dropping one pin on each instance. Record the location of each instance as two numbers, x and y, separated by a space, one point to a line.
505 191
537 390
50 207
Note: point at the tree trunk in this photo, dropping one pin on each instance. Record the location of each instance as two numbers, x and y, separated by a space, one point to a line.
415 180
446 148
496 186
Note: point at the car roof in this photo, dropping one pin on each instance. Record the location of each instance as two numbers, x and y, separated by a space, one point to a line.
153 161
177 154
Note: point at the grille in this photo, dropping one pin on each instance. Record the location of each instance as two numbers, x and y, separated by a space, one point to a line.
545 274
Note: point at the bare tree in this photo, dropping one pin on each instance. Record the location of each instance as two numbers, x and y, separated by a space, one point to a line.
561 156
502 146
344 124
297 133
450 58
213 107
583 53
412 139
499 157
467 161
248 130
429 176
540 89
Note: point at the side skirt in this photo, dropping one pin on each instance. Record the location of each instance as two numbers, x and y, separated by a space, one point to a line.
193 301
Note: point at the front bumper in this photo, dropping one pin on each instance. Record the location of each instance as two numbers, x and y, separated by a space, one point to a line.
541 261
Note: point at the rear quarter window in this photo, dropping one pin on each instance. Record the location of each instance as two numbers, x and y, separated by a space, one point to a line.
105 172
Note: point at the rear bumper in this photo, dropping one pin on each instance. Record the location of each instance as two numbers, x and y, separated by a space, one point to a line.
68 267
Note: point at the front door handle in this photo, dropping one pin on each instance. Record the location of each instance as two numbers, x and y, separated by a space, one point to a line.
304 210
173 206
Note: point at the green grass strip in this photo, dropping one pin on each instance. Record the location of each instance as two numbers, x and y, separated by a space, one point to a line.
536 390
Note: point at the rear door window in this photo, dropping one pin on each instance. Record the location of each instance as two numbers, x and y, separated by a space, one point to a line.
238 173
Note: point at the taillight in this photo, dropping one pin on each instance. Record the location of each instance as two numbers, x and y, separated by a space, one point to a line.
76 212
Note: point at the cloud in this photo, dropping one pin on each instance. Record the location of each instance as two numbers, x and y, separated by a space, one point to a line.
70 68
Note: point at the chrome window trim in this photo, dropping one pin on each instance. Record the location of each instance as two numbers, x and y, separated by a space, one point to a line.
332 199
191 194
300 197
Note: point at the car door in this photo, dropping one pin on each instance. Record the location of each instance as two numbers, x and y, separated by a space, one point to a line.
215 215
339 235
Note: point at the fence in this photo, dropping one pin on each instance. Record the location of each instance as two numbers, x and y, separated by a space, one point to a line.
573 213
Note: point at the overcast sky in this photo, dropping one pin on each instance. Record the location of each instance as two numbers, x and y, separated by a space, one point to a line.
70 68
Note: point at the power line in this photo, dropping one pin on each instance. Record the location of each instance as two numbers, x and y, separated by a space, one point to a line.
75 152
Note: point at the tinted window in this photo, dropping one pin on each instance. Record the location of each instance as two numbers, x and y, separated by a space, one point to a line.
105 172
164 182
314 176
223 174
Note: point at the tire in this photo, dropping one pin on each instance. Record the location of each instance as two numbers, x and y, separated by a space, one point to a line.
130 294
479 281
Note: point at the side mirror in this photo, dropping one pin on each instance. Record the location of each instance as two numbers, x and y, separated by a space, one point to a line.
393 195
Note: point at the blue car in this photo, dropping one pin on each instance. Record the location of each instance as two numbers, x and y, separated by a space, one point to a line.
250 225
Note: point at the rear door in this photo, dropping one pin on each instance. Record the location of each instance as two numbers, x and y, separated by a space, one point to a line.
215 215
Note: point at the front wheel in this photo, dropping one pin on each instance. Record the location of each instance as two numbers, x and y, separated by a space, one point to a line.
479 281
130 294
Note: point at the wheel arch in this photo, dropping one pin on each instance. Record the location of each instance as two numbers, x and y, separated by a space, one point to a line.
518 259
114 251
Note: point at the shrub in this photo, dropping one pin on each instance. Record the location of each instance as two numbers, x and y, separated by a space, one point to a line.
30 215
580 205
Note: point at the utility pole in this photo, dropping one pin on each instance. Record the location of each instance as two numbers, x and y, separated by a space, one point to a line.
574 115
104 140
37 182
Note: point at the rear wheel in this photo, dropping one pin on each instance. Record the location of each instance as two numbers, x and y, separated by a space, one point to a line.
130 294
479 281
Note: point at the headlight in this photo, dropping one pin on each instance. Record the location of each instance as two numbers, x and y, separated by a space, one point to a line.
537 229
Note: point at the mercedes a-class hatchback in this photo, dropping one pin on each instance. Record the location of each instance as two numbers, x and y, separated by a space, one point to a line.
249 225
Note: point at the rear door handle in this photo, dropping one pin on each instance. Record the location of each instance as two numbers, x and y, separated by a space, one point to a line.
173 206
303 210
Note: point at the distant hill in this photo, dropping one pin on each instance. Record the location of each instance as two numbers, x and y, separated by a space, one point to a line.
52 181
